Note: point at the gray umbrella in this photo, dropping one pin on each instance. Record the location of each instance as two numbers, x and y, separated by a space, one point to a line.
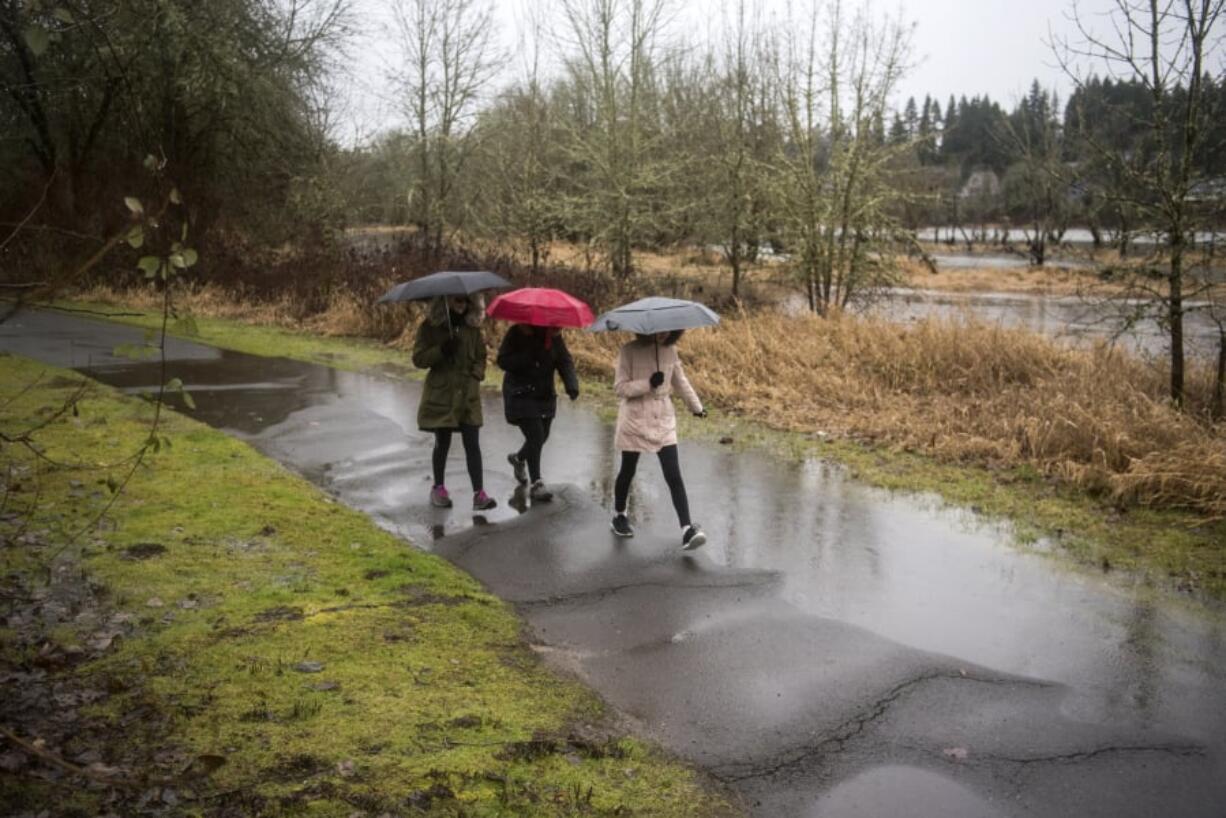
648 316
444 283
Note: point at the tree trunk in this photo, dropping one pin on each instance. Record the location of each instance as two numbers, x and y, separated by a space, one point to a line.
1175 316
1218 406
734 258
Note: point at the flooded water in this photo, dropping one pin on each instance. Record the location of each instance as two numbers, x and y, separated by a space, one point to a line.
1074 235
1067 318
803 564
946 261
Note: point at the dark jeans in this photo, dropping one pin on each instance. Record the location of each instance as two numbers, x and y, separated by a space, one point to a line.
536 432
670 463
471 437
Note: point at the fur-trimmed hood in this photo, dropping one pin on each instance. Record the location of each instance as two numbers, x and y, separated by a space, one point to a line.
436 312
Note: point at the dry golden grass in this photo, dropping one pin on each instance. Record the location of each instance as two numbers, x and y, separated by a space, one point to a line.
345 314
961 392
1036 281
956 390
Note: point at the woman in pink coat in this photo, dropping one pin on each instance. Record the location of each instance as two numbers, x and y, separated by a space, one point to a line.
648 370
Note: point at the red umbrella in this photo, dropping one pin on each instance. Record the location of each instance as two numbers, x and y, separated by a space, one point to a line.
541 307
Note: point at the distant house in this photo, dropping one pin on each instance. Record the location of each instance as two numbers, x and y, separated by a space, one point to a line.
981 184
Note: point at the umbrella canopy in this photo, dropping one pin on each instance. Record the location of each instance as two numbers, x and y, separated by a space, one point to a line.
444 283
540 307
648 316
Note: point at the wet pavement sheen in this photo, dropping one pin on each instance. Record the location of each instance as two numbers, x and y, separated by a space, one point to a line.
835 650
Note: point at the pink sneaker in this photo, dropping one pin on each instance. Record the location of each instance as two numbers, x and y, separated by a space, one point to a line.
482 501
439 498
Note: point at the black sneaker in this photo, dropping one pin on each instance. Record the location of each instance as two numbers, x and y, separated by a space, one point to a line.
519 499
693 538
519 467
621 526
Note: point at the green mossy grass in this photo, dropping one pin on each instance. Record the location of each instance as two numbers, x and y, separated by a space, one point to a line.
428 698
1166 549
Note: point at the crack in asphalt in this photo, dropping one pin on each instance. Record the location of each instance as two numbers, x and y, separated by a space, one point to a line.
595 595
852 728
1179 750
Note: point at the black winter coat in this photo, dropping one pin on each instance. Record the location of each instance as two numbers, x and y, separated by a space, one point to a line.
527 389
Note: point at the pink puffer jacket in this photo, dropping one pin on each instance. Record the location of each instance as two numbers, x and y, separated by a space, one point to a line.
646 421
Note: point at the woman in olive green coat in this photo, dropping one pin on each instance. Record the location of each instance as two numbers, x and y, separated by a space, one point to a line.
450 346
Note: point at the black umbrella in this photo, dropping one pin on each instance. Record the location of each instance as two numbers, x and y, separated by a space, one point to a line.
443 284
437 285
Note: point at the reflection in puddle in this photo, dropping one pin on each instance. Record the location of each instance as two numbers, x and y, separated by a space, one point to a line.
901 792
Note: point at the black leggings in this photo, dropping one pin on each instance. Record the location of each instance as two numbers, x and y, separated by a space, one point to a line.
536 432
471 437
670 463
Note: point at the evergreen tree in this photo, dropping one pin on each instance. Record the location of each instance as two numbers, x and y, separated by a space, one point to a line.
898 130
910 117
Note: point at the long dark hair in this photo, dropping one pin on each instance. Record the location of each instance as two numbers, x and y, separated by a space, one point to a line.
673 337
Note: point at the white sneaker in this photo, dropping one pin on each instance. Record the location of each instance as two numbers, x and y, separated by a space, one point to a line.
693 537
539 493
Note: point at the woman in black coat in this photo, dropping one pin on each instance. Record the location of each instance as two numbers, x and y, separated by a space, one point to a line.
530 356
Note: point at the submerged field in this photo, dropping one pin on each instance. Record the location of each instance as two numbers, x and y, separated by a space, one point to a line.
220 638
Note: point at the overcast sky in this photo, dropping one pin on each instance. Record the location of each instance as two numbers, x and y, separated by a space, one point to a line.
970 47
993 47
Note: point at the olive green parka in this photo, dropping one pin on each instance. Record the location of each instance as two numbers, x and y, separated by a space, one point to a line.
451 396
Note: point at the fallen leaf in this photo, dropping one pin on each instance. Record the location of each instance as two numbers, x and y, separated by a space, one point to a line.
155 602
105 771
345 769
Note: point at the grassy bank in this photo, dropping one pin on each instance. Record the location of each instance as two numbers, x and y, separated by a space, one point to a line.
1078 447
231 642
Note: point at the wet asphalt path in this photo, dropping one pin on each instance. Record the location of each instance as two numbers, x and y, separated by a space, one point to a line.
834 651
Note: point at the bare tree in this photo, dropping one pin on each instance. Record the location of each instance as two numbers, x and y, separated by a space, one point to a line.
833 171
613 48
1036 186
521 165
1167 46
449 60
744 130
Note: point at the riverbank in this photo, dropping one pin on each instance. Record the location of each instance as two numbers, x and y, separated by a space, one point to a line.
228 640
1078 449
